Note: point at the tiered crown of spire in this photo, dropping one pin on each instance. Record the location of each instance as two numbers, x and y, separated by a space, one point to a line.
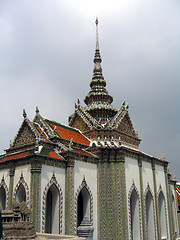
98 100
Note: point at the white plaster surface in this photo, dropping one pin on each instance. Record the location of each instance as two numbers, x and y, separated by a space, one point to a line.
174 208
89 171
132 175
25 170
46 175
5 173
147 176
160 181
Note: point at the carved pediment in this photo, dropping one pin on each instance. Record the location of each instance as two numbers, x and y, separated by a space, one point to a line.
80 124
125 126
25 135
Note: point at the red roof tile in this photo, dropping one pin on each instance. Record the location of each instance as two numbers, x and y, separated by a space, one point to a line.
44 136
54 155
15 156
83 152
178 193
68 134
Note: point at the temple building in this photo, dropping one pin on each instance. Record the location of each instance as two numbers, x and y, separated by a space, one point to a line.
91 169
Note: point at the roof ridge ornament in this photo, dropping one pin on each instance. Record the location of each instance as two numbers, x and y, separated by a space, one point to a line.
37 110
24 114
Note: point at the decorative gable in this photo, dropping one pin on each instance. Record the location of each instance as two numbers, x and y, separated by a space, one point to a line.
25 136
80 124
126 126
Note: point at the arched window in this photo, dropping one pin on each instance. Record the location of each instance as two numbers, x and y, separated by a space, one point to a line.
134 211
150 217
162 215
52 210
3 197
83 205
20 194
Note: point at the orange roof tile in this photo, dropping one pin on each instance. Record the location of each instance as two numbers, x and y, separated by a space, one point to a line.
44 136
178 193
83 152
15 156
68 134
54 155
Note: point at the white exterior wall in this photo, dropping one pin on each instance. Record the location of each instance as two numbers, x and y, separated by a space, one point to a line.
132 175
25 171
5 173
89 171
147 175
160 181
174 209
46 175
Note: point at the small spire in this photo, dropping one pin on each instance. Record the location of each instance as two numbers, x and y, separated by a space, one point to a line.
24 113
97 38
21 177
37 110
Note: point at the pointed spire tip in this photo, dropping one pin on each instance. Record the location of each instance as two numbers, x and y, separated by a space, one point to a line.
96 21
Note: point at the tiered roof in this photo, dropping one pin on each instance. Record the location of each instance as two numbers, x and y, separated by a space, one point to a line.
46 138
98 100
99 120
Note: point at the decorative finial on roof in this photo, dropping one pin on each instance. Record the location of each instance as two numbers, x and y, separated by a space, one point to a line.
10 144
37 110
21 177
97 38
78 102
2 180
70 144
24 113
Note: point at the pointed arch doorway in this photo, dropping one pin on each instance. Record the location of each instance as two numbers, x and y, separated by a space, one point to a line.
52 210
83 205
3 197
20 194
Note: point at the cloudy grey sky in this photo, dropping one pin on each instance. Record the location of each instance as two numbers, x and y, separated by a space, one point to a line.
46 53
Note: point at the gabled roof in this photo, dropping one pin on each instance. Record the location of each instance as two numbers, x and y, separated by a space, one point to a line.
116 120
5 157
42 151
50 152
68 133
27 134
84 152
87 118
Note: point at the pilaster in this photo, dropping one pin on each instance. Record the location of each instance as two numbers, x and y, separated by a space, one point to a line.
70 229
156 200
35 194
142 199
112 215
123 199
11 185
168 201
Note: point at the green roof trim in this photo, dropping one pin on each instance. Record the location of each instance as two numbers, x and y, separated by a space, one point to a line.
61 125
